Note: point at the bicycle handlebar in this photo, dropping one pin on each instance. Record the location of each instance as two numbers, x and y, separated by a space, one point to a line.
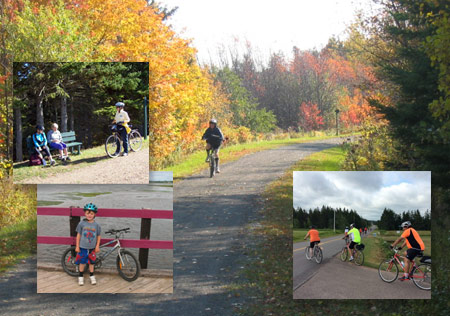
114 231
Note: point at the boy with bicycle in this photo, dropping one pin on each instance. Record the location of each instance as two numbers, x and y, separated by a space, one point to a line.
88 242
314 239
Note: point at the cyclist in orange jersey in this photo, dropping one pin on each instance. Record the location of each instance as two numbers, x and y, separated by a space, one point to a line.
415 247
314 238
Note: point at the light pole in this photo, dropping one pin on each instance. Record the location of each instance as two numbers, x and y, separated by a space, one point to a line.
337 122
334 221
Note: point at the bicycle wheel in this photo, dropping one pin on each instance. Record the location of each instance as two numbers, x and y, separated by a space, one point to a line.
129 268
212 166
388 271
421 276
68 261
307 253
112 146
344 254
318 256
359 257
135 140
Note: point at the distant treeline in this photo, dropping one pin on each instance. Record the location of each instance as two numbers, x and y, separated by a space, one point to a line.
391 221
324 217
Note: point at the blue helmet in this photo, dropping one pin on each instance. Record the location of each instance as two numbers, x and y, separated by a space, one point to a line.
90 207
120 104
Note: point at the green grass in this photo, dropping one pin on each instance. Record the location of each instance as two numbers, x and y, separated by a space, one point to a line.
22 171
17 242
196 162
91 194
299 234
49 203
269 277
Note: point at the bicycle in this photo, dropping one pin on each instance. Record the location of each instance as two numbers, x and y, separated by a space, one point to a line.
420 274
357 253
127 264
317 253
113 144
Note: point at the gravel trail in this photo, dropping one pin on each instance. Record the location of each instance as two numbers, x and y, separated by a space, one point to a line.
210 242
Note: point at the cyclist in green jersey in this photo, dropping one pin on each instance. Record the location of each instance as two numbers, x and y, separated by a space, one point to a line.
355 239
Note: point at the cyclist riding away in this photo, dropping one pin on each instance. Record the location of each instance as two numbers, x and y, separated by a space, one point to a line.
122 119
415 247
355 240
314 239
214 138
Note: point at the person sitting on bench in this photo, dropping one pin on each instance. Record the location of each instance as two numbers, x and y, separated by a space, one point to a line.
56 142
40 145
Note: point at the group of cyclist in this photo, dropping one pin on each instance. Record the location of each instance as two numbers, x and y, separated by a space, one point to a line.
410 237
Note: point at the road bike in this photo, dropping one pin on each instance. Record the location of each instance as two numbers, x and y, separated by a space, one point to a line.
420 274
113 144
127 264
317 254
357 253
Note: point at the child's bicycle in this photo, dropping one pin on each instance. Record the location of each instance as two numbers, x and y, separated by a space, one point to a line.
127 264
113 144
357 253
420 274
316 253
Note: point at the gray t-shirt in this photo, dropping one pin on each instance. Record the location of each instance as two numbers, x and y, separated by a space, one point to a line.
89 233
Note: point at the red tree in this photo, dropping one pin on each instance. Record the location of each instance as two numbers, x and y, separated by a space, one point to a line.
310 118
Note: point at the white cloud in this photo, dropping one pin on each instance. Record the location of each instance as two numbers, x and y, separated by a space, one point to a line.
368 193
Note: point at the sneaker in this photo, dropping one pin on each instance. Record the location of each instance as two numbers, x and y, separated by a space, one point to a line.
52 162
80 280
403 278
351 259
207 159
68 158
93 280
217 170
44 162
125 154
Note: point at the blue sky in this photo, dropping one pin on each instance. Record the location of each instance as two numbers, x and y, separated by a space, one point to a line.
270 26
367 192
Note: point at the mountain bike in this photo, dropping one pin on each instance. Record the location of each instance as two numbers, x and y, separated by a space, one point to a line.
420 274
357 253
113 144
317 254
127 264
212 163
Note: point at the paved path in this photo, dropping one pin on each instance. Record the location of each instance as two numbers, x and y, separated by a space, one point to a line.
210 242
343 280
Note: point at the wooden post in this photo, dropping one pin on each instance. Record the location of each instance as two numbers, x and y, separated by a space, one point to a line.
146 224
74 220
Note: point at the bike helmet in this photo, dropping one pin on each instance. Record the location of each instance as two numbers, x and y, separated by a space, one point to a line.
352 225
90 207
346 227
39 127
213 121
312 226
120 104
405 224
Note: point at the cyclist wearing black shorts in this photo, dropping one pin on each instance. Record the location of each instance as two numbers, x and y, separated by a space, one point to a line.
410 238
214 138
314 238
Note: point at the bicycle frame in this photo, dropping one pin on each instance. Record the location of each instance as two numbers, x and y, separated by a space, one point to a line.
396 258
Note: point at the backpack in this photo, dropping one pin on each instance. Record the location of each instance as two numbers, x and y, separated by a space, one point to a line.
35 160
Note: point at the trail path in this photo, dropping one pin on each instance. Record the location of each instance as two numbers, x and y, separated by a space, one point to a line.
210 242
132 169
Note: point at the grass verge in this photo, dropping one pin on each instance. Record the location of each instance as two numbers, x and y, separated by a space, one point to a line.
299 234
269 275
22 171
196 162
17 242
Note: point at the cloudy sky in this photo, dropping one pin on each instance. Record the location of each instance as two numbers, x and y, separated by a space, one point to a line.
368 193
271 26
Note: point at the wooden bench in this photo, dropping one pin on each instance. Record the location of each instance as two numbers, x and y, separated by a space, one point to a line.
69 138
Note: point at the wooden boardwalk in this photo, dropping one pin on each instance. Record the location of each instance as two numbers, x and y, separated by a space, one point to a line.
61 282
